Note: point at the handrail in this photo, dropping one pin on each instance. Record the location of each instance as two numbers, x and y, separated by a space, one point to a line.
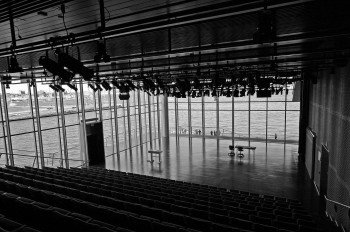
335 202
45 157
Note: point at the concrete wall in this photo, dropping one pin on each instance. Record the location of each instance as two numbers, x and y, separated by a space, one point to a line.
329 118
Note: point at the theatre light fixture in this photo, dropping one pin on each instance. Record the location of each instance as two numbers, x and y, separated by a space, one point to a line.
75 66
56 69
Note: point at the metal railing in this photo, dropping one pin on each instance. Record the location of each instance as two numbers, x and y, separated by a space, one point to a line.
347 207
51 158
336 202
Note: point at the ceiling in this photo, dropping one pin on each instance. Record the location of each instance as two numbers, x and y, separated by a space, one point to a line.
177 35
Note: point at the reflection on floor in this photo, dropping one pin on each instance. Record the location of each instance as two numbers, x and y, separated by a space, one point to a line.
273 169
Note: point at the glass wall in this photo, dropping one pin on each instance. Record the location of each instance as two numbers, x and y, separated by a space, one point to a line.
43 127
273 119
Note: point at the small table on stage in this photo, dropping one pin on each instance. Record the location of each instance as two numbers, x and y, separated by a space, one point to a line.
156 152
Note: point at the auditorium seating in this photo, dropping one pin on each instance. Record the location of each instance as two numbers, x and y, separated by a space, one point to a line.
94 199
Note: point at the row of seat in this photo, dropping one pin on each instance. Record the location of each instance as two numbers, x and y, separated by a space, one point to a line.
192 191
119 201
127 219
222 202
219 210
233 218
44 217
167 184
7 225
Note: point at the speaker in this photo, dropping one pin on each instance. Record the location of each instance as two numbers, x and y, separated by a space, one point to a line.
95 143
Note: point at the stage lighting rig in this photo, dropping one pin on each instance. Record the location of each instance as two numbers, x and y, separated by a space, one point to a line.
55 69
60 88
131 85
263 93
98 87
101 53
92 87
124 96
56 88
265 31
75 66
72 86
14 66
242 93
105 85
236 93
53 88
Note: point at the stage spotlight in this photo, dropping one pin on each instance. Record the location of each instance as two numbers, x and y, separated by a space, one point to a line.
130 84
75 66
105 85
92 87
55 69
98 87
236 93
53 88
60 88
194 94
115 83
124 96
72 86
101 53
14 66
263 93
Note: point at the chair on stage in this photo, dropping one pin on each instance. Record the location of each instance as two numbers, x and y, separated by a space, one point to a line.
240 150
232 150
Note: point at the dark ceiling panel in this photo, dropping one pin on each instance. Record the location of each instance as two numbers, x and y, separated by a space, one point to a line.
128 23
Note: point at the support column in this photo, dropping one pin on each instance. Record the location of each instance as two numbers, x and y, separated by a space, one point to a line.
189 117
100 105
267 119
176 117
4 133
135 117
203 116
233 118
8 130
33 123
116 121
217 117
249 107
150 122
38 125
140 119
145 110
111 119
64 132
158 122
285 114
83 121
59 130
129 125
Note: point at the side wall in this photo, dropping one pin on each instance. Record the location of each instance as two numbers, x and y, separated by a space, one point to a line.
329 118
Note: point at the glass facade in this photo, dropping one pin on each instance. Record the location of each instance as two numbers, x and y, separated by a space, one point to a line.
41 127
246 119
